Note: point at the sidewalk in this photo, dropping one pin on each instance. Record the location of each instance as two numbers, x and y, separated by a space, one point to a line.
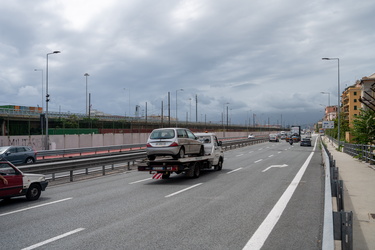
359 195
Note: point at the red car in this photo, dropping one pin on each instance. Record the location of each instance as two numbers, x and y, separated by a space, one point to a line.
15 183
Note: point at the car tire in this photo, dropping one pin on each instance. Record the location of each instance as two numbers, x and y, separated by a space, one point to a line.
181 154
29 160
166 175
201 151
33 193
151 157
197 171
219 165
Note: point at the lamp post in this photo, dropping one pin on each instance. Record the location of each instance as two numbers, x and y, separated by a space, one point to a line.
87 109
338 96
42 87
329 97
47 100
176 104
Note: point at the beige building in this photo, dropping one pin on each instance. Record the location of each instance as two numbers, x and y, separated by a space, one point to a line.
350 102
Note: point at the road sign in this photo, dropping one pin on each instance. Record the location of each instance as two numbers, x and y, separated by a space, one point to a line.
328 124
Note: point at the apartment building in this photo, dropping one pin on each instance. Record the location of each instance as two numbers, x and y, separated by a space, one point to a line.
350 102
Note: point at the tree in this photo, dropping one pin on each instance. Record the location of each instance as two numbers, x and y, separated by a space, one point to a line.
364 127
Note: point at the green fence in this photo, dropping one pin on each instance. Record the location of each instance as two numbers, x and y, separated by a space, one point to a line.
72 131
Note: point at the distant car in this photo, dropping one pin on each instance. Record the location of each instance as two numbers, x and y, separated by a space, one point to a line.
19 183
305 142
175 142
251 136
274 137
18 154
283 136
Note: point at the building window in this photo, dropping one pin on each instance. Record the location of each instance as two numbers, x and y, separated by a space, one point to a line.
355 107
355 92
355 100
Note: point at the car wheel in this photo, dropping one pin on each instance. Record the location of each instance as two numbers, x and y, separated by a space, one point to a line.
201 151
30 160
151 157
197 171
181 154
33 193
166 175
219 165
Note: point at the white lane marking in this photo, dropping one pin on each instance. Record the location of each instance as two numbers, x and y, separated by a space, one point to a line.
140 181
279 152
270 156
251 152
260 149
183 190
261 234
275 166
239 155
41 205
235 170
53 239
258 161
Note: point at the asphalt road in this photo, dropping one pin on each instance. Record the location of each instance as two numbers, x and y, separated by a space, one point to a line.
268 196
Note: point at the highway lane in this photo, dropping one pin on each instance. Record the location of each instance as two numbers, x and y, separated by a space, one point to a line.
219 210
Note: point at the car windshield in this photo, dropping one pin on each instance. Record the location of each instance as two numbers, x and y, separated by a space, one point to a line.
3 149
204 139
162 134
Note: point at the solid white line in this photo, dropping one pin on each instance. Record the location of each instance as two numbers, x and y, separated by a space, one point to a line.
258 161
41 205
140 181
261 234
235 170
183 190
53 239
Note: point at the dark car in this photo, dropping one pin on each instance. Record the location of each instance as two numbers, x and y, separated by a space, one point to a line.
18 154
305 142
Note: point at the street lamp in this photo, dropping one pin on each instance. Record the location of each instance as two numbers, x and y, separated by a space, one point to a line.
87 109
176 104
338 96
42 87
47 100
329 97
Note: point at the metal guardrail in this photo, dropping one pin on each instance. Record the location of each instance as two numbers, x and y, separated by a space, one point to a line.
342 220
74 152
103 160
361 151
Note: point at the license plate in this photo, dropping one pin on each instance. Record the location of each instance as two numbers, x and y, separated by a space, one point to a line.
157 168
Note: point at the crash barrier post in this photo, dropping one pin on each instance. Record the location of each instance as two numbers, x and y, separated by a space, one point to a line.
343 228
342 221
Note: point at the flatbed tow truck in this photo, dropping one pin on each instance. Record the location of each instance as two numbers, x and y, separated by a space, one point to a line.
161 168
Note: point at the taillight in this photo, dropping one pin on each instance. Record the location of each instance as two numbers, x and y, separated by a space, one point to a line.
148 145
174 144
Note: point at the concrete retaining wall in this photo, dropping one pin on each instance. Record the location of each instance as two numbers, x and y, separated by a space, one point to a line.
95 140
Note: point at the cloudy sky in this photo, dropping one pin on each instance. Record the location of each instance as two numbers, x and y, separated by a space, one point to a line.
256 57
